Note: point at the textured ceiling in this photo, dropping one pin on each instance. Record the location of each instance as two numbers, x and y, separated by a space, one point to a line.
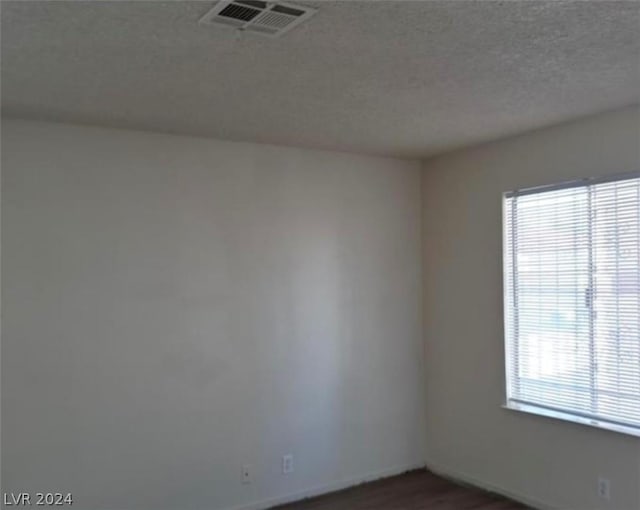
403 78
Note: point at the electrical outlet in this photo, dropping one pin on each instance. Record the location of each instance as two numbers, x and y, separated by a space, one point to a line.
247 474
604 488
287 464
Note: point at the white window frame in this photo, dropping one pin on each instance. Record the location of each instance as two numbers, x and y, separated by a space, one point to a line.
537 409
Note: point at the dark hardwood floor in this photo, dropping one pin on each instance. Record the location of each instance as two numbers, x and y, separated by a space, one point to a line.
416 490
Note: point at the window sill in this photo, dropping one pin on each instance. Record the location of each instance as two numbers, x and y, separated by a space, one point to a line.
559 415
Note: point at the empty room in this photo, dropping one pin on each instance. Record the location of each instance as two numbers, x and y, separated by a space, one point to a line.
320 255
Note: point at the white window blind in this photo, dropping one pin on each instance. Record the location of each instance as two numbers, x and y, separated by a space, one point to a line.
572 300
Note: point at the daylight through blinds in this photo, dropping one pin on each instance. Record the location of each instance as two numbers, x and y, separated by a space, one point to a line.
572 299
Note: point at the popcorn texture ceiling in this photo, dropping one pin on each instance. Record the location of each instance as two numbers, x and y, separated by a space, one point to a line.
399 78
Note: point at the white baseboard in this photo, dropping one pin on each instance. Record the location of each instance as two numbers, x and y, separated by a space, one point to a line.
328 488
467 479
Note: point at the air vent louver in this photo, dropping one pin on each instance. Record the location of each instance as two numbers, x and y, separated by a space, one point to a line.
239 12
264 18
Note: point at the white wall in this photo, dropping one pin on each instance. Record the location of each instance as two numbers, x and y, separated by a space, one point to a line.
553 463
176 307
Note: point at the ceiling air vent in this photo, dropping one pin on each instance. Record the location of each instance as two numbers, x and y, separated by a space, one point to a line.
265 18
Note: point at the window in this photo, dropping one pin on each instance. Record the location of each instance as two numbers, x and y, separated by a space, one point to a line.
572 301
